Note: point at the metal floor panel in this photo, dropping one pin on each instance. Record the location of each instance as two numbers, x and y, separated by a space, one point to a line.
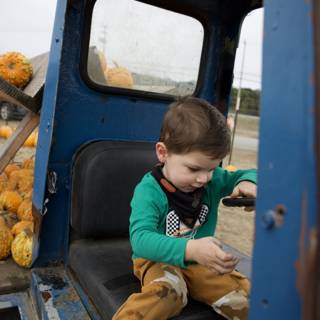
22 301
12 277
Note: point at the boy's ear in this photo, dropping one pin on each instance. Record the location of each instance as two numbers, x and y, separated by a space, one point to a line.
161 151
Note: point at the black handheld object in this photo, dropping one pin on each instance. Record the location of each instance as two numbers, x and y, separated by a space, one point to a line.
239 202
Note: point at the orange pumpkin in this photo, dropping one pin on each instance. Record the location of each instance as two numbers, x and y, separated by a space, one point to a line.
21 173
24 211
28 163
15 68
21 248
10 218
12 183
22 225
2 222
30 140
3 181
35 141
27 195
11 167
10 200
119 77
25 184
5 132
16 176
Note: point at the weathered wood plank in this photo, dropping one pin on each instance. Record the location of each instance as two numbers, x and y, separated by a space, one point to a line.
12 277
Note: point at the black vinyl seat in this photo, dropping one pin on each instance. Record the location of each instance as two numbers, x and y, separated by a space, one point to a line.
104 269
104 176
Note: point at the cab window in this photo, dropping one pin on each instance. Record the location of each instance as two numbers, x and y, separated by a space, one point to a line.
142 47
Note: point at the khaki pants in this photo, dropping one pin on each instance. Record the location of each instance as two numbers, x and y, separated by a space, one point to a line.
165 288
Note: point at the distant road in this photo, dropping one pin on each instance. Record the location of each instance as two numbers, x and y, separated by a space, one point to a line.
245 143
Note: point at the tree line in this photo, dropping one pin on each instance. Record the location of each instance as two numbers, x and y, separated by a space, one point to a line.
250 101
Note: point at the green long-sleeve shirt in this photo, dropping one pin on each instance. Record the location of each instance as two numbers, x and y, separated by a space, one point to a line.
157 234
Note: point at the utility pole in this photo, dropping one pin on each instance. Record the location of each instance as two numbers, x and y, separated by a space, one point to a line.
238 101
103 39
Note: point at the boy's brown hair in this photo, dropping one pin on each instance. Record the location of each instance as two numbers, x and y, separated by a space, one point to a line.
193 124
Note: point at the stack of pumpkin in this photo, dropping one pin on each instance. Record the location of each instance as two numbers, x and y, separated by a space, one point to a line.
16 219
16 182
116 76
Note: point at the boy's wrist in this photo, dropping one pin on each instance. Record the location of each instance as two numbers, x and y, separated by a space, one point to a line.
189 256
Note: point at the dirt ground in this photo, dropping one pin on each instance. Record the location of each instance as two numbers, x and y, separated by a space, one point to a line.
235 226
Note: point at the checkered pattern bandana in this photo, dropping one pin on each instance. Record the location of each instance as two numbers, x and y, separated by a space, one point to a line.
186 205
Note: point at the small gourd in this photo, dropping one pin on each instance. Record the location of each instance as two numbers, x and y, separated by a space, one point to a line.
16 176
5 132
20 226
27 195
10 168
21 248
30 142
28 163
21 173
15 68
10 218
35 141
25 184
10 200
3 181
24 211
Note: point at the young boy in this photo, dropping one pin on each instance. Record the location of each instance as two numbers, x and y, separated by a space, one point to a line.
174 215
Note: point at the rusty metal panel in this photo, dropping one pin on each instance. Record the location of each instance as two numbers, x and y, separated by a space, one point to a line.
55 295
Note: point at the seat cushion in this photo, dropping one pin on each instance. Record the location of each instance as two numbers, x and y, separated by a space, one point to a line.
104 175
104 270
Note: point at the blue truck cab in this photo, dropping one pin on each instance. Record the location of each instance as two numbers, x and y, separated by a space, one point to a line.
113 69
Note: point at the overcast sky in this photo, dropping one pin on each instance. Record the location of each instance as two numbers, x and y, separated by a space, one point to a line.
27 26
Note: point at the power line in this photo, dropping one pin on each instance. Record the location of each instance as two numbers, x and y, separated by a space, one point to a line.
238 102
250 74
248 80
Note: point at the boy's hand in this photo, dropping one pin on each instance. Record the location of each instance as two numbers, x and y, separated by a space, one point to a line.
207 252
245 189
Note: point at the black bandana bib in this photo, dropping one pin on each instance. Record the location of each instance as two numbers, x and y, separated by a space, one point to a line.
186 205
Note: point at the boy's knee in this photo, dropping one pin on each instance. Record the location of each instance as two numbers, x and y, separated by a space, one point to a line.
172 285
164 290
234 305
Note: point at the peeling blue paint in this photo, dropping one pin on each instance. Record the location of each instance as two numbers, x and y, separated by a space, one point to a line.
21 300
55 295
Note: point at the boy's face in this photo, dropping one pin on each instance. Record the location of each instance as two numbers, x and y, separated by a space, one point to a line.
186 171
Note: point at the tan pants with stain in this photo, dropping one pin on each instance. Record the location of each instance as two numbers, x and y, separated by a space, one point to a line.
165 289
